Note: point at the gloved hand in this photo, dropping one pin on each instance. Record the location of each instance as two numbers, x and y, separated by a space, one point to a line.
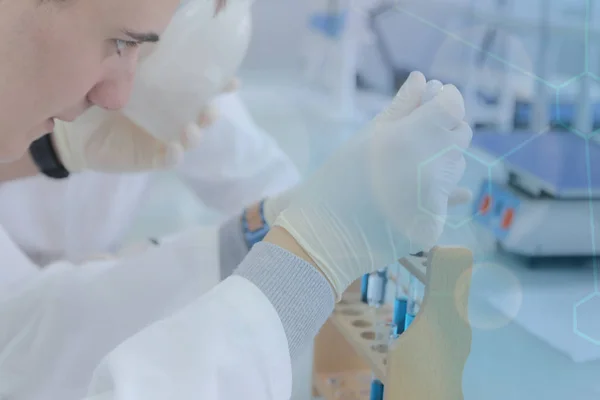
274 205
385 194
108 141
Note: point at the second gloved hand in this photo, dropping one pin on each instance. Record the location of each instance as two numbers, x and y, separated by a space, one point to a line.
108 141
385 194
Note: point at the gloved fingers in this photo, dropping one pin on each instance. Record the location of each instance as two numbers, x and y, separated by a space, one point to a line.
457 140
423 232
407 99
432 89
459 196
208 116
191 137
148 152
463 135
446 110
274 205
169 155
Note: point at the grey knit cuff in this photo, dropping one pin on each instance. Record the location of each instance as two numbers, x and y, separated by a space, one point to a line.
301 295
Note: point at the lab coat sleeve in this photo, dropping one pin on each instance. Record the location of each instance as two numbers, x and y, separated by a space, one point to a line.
56 325
237 163
233 343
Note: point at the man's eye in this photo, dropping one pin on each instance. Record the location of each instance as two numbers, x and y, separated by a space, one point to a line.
122 45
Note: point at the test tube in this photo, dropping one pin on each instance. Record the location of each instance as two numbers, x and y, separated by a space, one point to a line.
376 389
376 288
415 297
363 289
401 299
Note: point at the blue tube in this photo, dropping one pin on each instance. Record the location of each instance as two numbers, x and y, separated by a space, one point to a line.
400 315
376 390
364 288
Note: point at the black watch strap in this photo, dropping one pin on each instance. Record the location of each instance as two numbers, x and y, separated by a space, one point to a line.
45 158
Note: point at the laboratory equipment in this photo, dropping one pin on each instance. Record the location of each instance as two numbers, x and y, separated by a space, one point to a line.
431 90
385 335
401 298
399 75
562 115
197 57
542 207
364 286
376 288
377 389
335 36
415 298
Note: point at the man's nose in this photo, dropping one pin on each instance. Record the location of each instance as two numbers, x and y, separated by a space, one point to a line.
113 91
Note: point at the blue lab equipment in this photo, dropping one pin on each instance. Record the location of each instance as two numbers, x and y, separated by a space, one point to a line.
376 288
400 303
364 288
538 208
376 389
415 297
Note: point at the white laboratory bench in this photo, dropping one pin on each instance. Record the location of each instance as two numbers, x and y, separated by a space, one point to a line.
529 349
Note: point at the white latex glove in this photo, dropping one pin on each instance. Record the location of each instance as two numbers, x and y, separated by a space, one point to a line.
108 141
385 194
274 205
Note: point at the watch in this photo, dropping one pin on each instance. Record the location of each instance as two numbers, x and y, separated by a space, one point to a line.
254 224
45 158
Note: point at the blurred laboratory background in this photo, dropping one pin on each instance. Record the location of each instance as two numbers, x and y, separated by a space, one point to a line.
318 70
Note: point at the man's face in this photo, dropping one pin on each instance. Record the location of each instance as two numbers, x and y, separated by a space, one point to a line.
59 57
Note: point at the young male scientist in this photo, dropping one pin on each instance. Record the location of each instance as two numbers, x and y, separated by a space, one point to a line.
122 330
87 214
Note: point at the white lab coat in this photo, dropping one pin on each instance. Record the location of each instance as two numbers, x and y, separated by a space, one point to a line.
236 164
70 330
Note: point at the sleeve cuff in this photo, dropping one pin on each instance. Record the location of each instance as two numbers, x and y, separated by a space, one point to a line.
300 294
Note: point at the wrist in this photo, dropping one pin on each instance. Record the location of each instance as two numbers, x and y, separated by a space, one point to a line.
283 239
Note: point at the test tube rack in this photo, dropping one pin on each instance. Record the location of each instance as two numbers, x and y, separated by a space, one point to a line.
425 362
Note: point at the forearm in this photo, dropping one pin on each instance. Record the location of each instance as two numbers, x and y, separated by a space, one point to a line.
287 276
299 292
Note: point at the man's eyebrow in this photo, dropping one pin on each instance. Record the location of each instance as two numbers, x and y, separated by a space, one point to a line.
146 37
